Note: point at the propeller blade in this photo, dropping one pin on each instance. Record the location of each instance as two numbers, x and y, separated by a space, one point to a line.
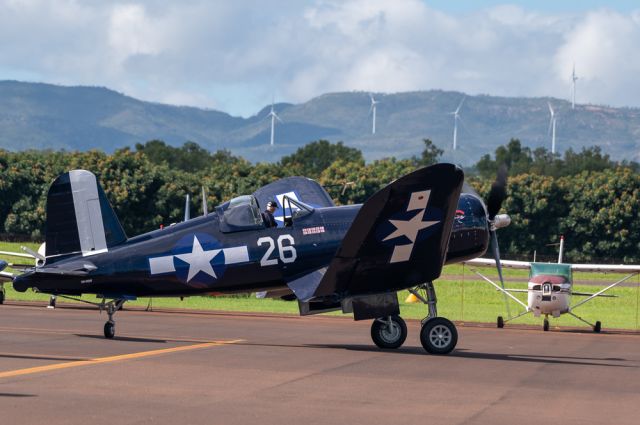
498 192
495 250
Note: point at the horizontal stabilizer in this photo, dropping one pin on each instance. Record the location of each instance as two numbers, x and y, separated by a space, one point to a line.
586 294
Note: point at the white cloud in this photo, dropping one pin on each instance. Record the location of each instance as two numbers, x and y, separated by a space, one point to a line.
606 48
236 56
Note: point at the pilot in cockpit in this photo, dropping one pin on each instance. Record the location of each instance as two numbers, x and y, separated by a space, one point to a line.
267 215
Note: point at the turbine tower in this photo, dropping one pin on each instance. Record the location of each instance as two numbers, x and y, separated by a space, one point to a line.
456 117
372 110
274 117
574 78
552 128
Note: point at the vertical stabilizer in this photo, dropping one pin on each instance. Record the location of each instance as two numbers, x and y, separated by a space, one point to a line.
79 217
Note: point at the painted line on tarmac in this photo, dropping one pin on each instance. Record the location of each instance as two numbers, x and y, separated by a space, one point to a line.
111 359
72 332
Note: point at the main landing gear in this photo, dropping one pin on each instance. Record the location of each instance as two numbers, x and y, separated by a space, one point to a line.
438 335
1 293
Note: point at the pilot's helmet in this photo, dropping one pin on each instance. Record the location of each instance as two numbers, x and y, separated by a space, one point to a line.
272 204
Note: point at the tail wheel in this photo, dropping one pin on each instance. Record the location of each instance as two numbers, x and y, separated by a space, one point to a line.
545 325
109 330
598 327
389 332
500 322
2 296
439 336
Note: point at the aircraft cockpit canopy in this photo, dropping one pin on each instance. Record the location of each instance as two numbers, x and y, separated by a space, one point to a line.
240 213
293 209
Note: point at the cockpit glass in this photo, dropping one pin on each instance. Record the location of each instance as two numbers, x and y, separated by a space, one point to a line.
240 213
293 210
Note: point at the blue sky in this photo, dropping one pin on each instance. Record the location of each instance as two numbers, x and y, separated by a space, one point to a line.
236 56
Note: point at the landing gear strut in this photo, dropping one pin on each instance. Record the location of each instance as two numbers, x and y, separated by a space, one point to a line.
438 335
597 327
110 325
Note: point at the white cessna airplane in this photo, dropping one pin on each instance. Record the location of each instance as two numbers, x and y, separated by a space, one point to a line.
551 286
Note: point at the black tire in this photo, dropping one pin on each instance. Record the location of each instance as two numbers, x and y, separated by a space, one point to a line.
2 297
598 327
52 302
439 336
384 337
500 322
545 325
109 330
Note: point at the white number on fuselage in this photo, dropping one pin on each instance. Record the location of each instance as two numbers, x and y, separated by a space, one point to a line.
287 253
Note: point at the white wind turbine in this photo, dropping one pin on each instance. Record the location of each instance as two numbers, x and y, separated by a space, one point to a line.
574 78
372 110
274 117
552 128
456 117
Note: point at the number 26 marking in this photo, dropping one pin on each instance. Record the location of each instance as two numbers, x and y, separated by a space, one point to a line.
287 253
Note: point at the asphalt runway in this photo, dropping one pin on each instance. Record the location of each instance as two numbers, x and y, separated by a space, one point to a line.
208 368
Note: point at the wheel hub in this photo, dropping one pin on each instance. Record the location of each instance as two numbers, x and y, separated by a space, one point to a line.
440 336
391 332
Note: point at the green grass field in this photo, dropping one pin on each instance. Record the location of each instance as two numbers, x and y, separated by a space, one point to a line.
462 296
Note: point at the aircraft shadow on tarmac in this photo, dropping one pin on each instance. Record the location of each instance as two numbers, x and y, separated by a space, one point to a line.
36 357
17 395
462 353
127 338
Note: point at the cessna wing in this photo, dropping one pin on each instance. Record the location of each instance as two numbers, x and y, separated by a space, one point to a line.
16 254
605 268
488 262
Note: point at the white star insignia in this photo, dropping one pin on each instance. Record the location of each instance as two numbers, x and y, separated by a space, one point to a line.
199 260
409 228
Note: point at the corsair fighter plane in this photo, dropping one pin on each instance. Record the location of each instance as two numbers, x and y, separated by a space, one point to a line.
350 258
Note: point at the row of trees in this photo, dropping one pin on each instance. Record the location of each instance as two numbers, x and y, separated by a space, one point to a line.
595 206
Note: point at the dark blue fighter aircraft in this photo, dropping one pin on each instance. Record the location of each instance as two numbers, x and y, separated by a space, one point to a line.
351 258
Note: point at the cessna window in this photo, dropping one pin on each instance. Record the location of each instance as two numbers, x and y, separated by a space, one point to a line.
294 210
241 213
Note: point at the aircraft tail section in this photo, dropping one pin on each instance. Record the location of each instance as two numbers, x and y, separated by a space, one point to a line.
79 217
399 238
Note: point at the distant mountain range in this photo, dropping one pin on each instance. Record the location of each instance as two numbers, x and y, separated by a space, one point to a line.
38 116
